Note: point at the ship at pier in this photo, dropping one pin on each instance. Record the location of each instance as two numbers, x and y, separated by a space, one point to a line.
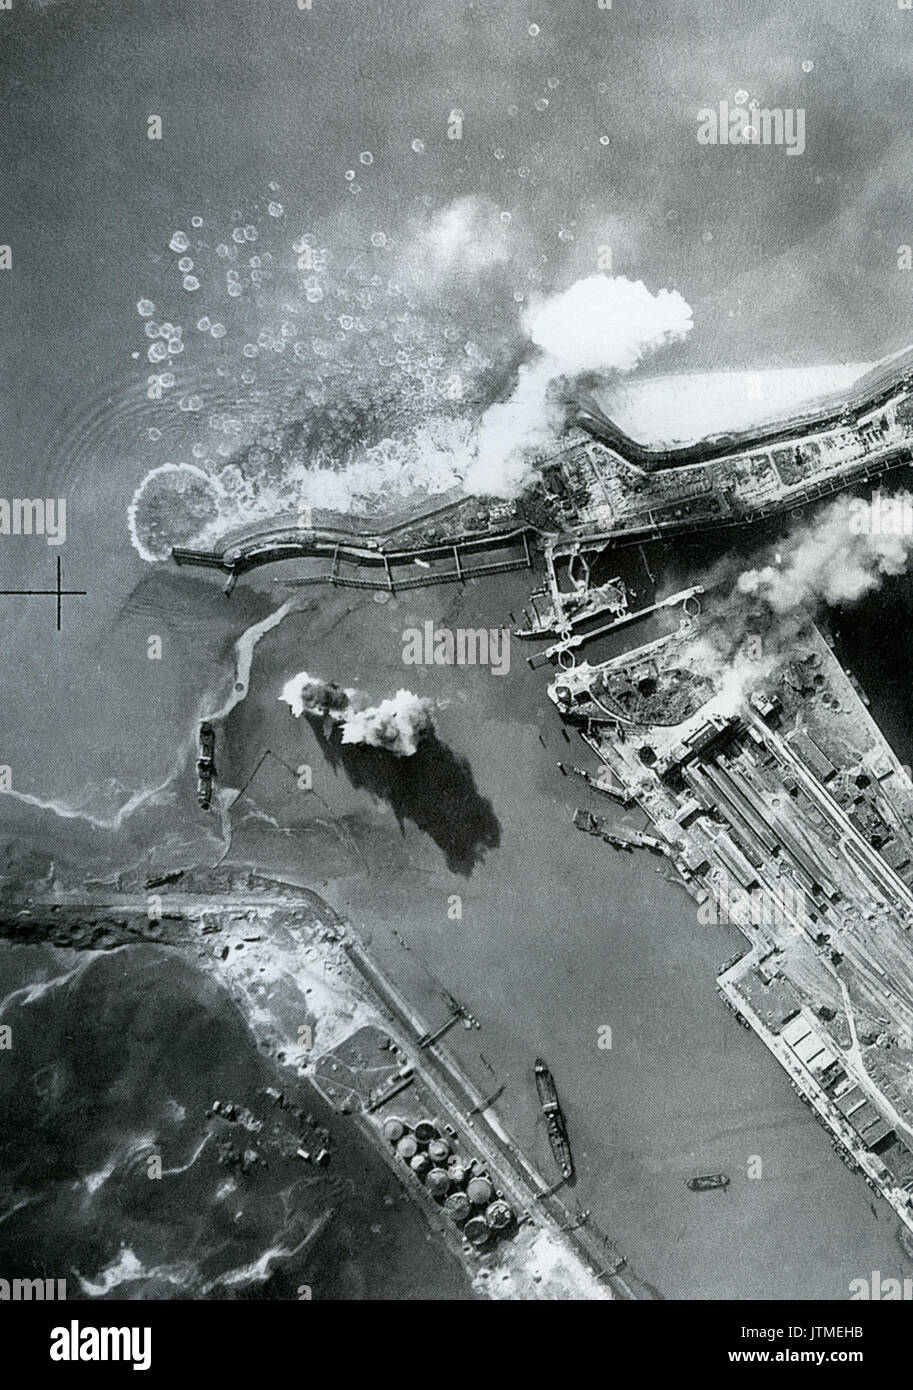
554 1118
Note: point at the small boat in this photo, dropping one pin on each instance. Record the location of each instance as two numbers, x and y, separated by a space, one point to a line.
710 1182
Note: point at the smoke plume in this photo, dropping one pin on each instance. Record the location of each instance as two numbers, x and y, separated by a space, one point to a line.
396 724
306 694
842 554
601 325
753 623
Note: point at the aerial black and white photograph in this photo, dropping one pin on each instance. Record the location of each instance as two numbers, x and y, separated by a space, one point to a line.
456 582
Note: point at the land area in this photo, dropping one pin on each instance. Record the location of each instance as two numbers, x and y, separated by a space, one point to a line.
794 799
600 485
324 1011
788 816
745 802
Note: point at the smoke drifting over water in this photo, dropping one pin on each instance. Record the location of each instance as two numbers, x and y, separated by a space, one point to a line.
306 694
347 377
396 724
845 552
341 366
601 325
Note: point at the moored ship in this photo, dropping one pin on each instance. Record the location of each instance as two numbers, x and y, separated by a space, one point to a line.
554 1118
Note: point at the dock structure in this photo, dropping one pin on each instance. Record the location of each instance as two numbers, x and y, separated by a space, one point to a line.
354 562
769 822
606 486
486 1102
607 783
686 597
520 1180
431 1038
872 392
583 602
658 522
605 490
620 837
550 1191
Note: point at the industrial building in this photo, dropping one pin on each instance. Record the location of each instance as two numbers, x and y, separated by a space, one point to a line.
818 1058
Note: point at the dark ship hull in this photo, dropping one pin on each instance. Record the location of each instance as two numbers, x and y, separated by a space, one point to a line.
206 765
554 1119
711 1182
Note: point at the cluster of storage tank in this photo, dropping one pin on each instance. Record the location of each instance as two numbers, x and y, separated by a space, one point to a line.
465 1195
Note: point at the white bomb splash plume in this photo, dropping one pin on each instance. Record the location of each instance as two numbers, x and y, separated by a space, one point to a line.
306 694
602 324
396 724
844 553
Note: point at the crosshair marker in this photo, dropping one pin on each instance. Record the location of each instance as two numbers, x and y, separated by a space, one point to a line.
59 593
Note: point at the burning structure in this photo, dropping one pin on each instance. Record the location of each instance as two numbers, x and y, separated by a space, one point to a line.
786 814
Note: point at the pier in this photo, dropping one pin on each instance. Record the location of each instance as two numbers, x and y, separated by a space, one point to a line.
355 563
523 1184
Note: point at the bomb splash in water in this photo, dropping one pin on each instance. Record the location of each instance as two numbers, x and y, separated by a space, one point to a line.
397 724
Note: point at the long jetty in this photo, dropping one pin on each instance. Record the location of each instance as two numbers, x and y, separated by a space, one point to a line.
354 565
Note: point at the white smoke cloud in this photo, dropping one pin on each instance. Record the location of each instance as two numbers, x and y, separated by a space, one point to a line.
306 694
607 323
734 670
602 324
396 724
512 432
467 236
844 553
